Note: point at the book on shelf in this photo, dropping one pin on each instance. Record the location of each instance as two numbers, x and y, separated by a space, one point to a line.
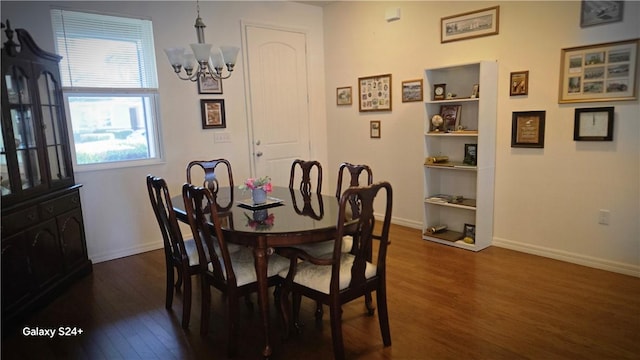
451 199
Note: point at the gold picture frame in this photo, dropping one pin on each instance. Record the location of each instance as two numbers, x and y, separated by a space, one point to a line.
470 25
374 93
600 72
519 84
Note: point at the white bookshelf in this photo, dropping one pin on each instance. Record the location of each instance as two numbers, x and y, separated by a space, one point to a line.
475 184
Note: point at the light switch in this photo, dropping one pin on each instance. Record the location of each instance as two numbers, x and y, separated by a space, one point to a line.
222 137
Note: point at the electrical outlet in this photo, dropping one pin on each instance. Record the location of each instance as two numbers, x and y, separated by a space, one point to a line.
604 216
222 137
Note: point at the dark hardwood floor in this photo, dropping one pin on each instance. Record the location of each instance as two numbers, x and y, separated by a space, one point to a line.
444 303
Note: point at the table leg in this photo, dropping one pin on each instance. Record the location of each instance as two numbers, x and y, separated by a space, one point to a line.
261 262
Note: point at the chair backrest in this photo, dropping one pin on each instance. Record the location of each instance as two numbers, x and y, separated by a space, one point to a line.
306 168
211 181
354 171
366 230
202 212
163 209
307 204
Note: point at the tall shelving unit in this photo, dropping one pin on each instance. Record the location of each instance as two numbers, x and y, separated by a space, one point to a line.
470 187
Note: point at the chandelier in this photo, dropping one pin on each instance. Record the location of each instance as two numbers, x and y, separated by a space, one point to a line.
210 62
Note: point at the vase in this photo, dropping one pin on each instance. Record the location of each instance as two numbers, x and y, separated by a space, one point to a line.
260 215
259 196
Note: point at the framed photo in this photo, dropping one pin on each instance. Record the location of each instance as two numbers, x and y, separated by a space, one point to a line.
470 154
593 124
527 129
470 231
374 129
213 114
344 96
601 72
519 84
600 12
209 85
374 93
471 24
412 90
451 116
475 91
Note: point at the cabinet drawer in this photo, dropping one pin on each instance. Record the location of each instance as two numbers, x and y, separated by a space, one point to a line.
51 208
20 219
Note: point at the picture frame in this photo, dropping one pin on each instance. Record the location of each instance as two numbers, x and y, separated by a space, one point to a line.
470 231
600 12
412 90
600 72
374 93
527 129
593 124
213 115
470 154
374 129
209 85
519 83
344 95
473 24
451 116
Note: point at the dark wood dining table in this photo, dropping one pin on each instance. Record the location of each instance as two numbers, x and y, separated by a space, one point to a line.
295 219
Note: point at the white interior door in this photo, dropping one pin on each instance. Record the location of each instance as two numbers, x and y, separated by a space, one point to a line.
278 101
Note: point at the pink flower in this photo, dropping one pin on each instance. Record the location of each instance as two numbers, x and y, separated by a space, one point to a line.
267 187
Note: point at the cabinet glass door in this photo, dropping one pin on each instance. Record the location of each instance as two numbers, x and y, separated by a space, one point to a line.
55 138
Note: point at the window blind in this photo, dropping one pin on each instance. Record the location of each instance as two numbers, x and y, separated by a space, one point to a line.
101 51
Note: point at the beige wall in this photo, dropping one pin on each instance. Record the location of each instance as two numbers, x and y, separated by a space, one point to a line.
546 200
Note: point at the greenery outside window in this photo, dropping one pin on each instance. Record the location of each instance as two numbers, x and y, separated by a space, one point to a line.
110 87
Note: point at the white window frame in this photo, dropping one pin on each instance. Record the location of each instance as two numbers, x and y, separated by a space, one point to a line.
154 143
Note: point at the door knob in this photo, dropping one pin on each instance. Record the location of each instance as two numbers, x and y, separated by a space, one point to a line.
259 153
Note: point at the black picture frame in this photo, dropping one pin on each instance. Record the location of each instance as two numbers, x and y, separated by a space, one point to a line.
470 231
470 154
213 114
593 124
527 129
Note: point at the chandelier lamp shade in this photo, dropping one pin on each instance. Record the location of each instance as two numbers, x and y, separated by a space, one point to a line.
204 60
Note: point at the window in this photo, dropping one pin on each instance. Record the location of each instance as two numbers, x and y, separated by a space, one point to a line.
110 85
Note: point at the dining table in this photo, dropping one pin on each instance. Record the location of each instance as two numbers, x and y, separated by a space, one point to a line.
290 217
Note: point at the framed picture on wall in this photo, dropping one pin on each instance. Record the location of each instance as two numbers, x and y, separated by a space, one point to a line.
412 90
527 129
213 113
471 24
519 84
600 12
601 72
374 93
343 96
593 124
374 129
209 85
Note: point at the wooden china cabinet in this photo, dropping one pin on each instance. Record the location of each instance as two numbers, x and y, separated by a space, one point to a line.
43 239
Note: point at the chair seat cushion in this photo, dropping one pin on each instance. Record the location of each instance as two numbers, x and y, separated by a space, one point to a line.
192 251
318 277
326 247
244 266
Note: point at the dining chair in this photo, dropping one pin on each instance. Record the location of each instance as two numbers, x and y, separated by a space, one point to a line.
179 253
355 172
213 181
341 277
306 171
233 273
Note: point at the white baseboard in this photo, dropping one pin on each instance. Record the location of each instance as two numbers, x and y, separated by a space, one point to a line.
622 268
110 255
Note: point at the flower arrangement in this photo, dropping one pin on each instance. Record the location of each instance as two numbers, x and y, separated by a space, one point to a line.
259 183
260 220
